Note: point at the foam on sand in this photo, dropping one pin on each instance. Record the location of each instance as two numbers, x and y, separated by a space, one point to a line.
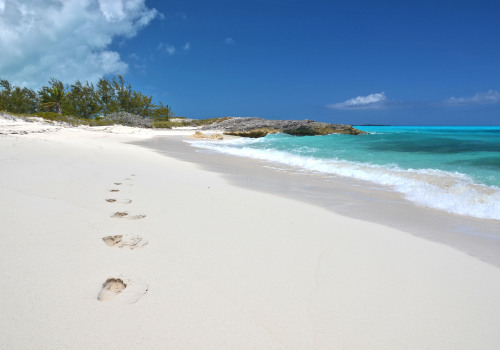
452 192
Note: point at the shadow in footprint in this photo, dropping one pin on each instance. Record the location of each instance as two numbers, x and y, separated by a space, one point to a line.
125 241
114 190
117 183
123 201
123 290
111 289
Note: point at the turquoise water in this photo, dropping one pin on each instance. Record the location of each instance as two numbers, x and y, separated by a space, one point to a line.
474 151
456 169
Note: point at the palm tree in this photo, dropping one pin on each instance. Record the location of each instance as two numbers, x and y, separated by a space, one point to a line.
52 97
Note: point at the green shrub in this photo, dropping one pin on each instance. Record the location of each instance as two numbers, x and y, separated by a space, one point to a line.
129 119
55 117
162 124
167 124
69 119
200 122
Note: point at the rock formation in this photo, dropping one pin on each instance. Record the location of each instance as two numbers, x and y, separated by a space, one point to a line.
259 127
200 135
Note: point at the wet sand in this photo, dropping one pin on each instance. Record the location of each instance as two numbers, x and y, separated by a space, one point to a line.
479 238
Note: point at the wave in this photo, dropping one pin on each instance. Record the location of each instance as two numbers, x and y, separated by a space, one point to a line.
452 192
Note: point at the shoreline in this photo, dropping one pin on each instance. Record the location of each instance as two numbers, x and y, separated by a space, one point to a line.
352 198
224 267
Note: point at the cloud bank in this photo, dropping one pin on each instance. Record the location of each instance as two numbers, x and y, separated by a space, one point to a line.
372 101
66 39
488 97
379 101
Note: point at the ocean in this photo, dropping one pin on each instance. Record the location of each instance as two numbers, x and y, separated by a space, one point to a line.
450 168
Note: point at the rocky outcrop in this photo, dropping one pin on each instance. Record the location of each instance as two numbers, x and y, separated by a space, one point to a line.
259 127
200 135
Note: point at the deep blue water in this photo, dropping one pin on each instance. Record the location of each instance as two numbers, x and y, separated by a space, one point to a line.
456 169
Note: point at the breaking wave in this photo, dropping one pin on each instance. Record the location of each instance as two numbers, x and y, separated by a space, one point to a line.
453 192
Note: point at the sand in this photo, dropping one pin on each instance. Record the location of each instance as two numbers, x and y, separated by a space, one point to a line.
224 267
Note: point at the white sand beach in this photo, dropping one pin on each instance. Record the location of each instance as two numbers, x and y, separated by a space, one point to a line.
215 265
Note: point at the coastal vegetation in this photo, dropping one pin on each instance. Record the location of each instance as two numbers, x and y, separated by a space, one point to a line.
180 121
110 101
113 101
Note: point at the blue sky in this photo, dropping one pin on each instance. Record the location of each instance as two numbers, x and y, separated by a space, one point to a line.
357 62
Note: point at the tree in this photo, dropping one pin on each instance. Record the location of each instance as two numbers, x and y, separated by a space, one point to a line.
17 100
52 97
5 95
106 97
141 104
162 113
123 94
82 100
24 101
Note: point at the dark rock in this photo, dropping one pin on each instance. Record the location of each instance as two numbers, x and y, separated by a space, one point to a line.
259 127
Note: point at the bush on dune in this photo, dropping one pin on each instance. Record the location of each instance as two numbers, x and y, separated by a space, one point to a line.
129 119
108 101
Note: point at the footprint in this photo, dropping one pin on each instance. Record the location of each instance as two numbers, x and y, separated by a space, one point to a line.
117 183
122 290
125 241
114 190
111 289
136 217
123 214
123 201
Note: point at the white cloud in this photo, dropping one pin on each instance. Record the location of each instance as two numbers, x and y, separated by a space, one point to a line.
112 10
372 101
229 41
68 40
170 49
488 97
186 46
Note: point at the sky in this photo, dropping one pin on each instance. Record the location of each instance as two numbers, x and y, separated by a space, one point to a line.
356 62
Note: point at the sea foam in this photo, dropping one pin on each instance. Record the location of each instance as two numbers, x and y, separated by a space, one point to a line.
449 191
